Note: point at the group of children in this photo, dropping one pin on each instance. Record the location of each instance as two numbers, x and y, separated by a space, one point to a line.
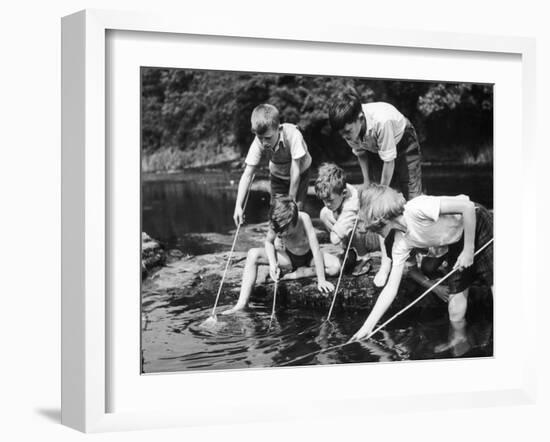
390 203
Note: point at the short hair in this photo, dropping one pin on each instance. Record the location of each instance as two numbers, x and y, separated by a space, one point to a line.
264 116
378 204
283 213
331 179
345 107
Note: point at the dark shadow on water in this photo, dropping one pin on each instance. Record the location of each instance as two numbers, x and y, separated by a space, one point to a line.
51 414
178 211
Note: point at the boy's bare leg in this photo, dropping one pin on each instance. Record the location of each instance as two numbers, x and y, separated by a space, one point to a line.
332 264
458 303
300 272
458 339
332 268
254 258
385 266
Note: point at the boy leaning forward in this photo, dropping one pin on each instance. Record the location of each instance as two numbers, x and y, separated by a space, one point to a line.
386 146
383 140
289 158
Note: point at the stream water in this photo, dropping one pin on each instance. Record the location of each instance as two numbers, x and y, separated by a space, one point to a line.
181 211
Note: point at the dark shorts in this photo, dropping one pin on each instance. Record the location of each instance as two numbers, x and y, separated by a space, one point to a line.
482 268
281 187
407 174
299 260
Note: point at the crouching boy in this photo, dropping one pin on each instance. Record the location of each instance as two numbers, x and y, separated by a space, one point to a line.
341 205
386 146
423 222
300 251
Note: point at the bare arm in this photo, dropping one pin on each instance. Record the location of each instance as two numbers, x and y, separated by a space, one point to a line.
322 283
385 139
364 164
387 172
383 302
271 254
465 208
238 214
334 238
294 178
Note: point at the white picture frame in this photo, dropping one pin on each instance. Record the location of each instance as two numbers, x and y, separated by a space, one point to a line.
87 206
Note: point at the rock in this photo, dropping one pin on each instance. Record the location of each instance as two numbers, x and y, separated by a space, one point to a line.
152 254
200 276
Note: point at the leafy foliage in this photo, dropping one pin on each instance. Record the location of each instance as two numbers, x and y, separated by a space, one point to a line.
209 111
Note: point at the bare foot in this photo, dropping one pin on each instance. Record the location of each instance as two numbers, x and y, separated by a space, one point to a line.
382 275
233 310
291 275
458 346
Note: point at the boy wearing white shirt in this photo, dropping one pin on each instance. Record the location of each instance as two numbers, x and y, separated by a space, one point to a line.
428 221
341 202
289 158
386 146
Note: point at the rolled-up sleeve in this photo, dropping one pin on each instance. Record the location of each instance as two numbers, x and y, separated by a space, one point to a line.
254 155
297 145
386 142
400 250
425 207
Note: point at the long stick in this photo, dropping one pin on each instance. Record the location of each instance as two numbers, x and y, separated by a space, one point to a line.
274 302
232 248
342 268
425 293
334 347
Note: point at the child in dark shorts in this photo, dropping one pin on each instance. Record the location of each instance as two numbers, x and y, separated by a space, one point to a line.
297 261
299 252
423 222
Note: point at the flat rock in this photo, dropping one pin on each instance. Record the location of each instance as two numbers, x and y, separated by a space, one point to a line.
192 276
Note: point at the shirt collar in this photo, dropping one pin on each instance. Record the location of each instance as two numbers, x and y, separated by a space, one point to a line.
280 143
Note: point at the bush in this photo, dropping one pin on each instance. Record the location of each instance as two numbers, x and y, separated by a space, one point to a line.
189 116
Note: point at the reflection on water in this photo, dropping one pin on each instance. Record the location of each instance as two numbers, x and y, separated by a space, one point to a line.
179 210
176 209
174 340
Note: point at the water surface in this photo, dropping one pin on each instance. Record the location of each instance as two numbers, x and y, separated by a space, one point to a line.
193 212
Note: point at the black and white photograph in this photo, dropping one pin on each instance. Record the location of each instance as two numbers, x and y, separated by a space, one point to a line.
293 220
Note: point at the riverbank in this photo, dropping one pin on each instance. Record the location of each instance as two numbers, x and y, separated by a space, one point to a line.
174 160
228 158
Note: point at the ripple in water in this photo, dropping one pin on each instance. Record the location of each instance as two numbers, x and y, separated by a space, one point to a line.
175 339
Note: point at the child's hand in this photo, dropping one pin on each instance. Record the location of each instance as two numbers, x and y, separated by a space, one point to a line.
325 286
361 333
238 216
274 272
465 259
